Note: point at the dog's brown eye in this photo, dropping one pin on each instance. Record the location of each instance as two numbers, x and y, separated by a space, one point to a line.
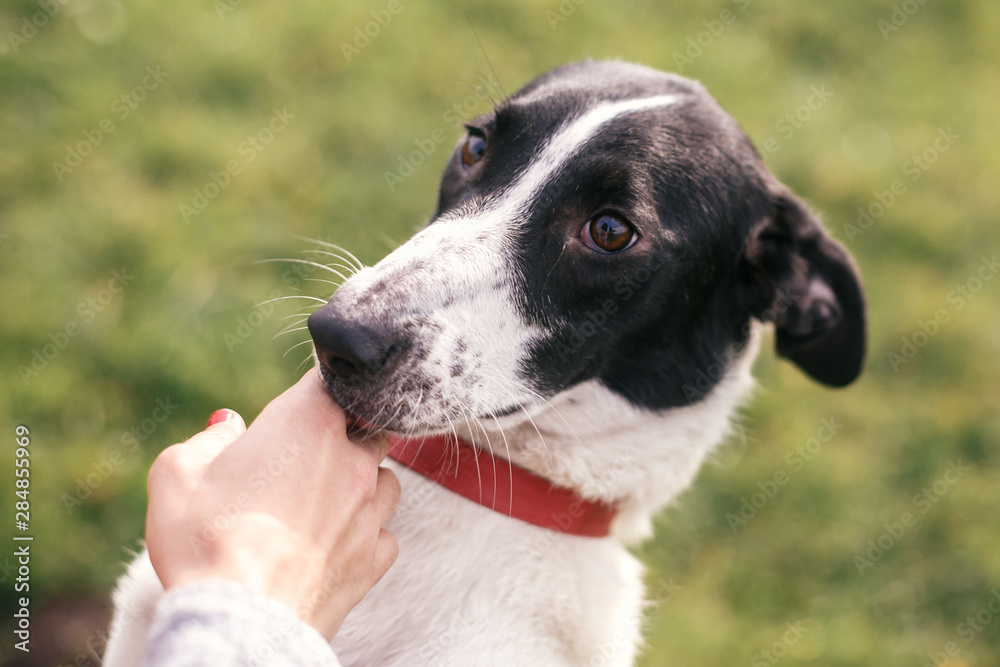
473 150
606 233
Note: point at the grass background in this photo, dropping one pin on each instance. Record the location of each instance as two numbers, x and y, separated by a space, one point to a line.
168 336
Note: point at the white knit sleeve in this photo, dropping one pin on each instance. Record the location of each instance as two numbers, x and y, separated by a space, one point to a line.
222 623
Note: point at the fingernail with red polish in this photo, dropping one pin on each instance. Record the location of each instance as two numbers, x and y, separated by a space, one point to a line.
220 416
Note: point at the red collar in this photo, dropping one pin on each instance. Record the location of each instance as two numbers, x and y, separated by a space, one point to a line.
491 482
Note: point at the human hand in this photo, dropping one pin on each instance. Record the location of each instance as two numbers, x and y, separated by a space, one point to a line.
289 507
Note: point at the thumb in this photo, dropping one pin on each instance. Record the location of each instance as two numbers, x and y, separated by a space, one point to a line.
182 465
224 427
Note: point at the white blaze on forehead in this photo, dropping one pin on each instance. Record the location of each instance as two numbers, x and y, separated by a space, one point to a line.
564 145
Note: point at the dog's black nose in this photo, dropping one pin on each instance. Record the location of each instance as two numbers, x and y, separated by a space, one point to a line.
352 351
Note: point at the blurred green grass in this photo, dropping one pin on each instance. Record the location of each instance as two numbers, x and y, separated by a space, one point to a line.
168 335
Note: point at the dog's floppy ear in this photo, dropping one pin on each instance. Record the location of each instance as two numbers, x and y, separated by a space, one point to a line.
804 281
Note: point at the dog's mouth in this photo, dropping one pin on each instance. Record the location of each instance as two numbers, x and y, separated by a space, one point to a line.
380 413
361 430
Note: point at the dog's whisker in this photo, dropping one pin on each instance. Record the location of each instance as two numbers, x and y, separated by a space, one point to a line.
474 438
468 427
330 268
292 296
554 265
303 317
451 425
345 263
299 367
350 268
416 404
348 254
465 416
306 310
396 413
489 445
409 434
305 342
375 420
510 465
538 431
326 244
555 410
503 93
328 282
282 333
522 408
302 320
482 92
541 438
471 439
306 262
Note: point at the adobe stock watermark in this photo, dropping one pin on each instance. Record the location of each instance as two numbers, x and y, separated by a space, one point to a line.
225 7
706 378
30 25
248 149
257 482
599 486
900 16
293 278
912 169
606 655
248 325
486 90
748 170
957 298
974 624
922 503
576 337
130 442
306 608
127 611
794 120
270 642
795 460
697 44
88 310
121 108
779 649
366 34
561 13
968 629
458 627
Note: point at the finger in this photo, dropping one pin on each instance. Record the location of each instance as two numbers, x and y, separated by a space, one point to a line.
379 445
384 446
222 416
224 427
184 463
175 471
387 492
386 552
306 405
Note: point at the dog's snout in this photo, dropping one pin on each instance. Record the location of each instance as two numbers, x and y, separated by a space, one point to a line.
352 351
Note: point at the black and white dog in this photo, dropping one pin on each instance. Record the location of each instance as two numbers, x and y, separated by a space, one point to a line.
582 312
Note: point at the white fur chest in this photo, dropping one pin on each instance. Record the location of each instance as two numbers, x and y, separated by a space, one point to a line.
474 587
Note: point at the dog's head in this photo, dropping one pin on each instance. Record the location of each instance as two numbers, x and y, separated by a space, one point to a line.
608 222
